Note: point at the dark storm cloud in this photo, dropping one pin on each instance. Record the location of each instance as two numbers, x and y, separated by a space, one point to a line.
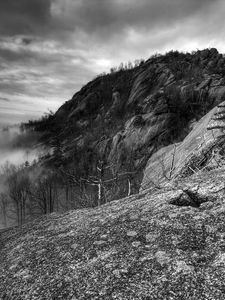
9 55
110 15
104 18
27 41
61 17
4 99
50 48
23 16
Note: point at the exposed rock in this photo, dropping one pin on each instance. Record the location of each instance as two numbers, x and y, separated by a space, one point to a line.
136 244
205 53
200 149
205 83
162 258
220 63
117 104
131 233
169 251
214 52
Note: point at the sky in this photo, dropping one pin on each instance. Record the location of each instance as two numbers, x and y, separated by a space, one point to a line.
49 49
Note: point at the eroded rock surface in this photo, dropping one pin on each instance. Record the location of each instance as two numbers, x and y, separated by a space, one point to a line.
202 148
153 245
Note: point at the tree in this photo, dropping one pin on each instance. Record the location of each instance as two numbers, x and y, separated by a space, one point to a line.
4 202
43 194
18 188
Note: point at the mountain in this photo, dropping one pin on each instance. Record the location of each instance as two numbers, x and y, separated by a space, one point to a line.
155 131
118 121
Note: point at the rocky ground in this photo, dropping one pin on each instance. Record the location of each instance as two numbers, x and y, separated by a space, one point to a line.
159 244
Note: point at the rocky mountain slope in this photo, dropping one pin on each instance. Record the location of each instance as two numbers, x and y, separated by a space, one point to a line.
168 240
162 244
202 149
119 120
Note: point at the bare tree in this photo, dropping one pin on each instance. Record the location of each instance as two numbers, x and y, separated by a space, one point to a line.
43 195
4 203
18 188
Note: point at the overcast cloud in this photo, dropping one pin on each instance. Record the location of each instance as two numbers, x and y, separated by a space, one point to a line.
50 48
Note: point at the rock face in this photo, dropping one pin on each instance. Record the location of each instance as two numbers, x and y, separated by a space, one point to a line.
202 149
164 244
136 112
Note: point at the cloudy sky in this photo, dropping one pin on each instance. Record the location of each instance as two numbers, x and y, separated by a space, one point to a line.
50 48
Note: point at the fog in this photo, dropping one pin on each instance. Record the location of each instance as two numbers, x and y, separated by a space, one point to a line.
16 146
17 156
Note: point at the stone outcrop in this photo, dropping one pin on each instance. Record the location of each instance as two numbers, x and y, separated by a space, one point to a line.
162 244
203 148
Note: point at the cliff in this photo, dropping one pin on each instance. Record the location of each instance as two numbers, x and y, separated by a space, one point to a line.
201 150
120 120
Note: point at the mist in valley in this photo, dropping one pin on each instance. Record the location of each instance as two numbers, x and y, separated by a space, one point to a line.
18 148
31 183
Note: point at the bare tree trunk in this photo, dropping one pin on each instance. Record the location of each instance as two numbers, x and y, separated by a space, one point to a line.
67 197
129 188
4 209
18 212
99 194
173 160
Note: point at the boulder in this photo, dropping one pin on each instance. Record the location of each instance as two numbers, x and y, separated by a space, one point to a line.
214 52
117 104
204 54
220 63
